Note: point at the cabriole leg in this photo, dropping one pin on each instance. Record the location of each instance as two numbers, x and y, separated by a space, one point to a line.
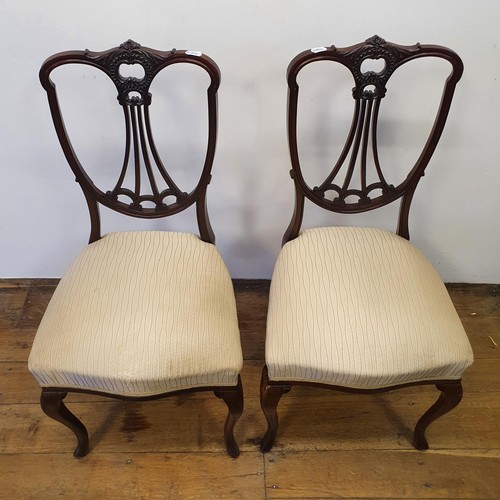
270 396
53 406
451 394
234 401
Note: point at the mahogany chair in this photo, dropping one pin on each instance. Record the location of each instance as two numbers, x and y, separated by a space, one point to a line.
360 309
140 315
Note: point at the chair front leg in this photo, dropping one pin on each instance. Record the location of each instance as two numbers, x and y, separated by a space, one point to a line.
234 401
52 405
451 394
270 396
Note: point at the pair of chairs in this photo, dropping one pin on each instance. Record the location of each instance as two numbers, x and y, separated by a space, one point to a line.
147 314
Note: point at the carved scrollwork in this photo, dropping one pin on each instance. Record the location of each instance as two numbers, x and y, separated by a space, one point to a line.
375 48
130 52
357 196
158 200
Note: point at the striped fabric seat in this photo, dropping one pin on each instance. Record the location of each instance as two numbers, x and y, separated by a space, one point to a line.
140 314
361 308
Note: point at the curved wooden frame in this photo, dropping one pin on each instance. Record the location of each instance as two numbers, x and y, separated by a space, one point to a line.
134 97
364 125
370 88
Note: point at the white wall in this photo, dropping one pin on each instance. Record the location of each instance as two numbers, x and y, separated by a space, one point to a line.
43 218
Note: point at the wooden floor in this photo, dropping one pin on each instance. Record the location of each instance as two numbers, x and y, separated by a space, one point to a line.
330 445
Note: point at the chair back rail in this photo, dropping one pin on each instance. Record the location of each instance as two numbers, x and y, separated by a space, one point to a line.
368 92
141 157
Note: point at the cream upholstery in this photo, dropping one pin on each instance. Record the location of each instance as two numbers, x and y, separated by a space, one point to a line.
141 313
361 308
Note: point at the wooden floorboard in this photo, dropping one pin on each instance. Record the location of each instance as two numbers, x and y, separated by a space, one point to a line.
329 445
381 474
131 475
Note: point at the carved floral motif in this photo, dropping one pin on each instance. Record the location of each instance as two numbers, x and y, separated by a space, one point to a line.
129 52
375 48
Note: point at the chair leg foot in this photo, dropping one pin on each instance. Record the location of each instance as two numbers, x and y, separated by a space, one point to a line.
451 394
53 406
234 401
270 396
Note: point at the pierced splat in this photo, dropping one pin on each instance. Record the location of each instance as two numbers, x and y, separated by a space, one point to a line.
362 136
152 191
357 183
140 151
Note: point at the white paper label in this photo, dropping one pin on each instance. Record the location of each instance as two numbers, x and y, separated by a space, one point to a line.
318 49
196 53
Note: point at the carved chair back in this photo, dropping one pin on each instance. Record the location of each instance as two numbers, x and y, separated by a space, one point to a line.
338 192
153 192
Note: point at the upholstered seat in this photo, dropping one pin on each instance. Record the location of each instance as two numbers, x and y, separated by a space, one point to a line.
138 314
361 308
